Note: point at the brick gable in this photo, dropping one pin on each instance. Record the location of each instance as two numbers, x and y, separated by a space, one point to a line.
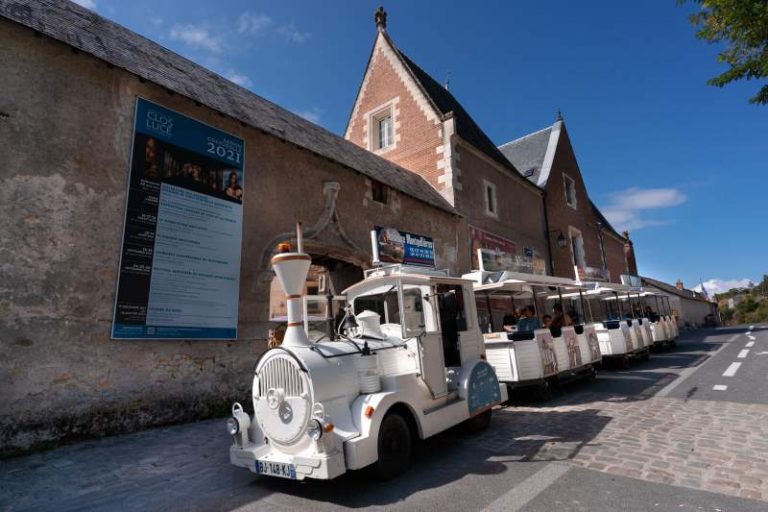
418 144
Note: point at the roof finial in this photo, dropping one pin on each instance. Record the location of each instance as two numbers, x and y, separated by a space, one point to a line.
559 116
448 81
380 17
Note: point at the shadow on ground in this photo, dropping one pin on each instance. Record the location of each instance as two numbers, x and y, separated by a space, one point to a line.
532 436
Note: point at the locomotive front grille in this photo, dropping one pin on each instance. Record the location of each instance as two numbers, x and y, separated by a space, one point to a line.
280 372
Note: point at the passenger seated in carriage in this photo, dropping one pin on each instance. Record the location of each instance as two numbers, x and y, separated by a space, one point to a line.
528 322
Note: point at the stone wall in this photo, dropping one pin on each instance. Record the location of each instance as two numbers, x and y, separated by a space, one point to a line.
66 130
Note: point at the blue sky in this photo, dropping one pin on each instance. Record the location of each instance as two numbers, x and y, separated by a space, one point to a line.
681 164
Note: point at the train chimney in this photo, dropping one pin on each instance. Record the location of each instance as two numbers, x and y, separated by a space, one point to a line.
291 269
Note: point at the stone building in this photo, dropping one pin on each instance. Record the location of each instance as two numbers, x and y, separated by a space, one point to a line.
70 85
404 115
578 233
692 309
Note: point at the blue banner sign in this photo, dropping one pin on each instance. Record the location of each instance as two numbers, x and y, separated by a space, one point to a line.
482 388
406 248
179 275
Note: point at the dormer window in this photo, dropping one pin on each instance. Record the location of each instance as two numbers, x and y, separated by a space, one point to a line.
382 129
570 191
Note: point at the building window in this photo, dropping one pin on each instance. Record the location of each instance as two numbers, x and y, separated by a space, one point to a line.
570 191
491 206
383 130
379 192
577 247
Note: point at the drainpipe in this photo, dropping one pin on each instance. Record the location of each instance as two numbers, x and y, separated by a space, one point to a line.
546 233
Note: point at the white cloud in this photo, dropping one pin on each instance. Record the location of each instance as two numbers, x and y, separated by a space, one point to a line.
253 24
88 4
197 36
292 33
313 114
627 209
239 79
714 286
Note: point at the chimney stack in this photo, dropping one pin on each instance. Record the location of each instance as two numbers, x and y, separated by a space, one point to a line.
679 285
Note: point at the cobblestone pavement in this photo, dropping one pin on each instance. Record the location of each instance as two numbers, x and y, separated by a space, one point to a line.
714 446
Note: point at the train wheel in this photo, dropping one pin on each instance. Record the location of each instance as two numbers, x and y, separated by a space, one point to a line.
545 390
394 448
478 423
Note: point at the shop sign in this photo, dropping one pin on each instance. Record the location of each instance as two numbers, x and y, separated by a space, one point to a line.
179 274
590 274
493 253
407 248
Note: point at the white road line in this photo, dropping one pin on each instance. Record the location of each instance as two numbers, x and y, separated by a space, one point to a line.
750 344
733 338
687 372
731 371
751 337
744 353
520 495
720 387
751 327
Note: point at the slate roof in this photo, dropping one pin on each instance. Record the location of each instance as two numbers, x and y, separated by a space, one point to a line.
668 288
527 153
604 221
87 31
445 103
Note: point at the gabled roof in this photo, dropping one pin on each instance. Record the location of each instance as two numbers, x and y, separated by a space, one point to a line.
668 288
87 31
445 103
604 221
527 153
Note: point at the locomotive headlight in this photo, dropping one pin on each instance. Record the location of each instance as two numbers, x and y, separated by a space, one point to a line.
233 426
315 430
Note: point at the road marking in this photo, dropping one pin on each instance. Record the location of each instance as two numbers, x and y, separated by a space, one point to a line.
733 338
744 353
751 327
720 387
751 337
750 344
683 375
731 371
520 495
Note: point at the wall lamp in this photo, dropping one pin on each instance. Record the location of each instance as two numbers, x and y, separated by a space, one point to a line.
562 241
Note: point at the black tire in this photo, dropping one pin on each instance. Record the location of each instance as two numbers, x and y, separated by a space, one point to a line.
394 448
544 393
478 423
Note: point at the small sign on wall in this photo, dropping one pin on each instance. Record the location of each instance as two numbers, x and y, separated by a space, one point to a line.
407 248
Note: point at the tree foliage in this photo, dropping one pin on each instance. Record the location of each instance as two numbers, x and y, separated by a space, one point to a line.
743 26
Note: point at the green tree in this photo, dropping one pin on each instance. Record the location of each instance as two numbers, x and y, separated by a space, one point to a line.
743 26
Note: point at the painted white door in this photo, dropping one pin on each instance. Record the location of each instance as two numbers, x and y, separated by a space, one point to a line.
432 363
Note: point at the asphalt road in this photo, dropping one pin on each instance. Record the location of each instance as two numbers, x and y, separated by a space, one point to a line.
737 373
532 458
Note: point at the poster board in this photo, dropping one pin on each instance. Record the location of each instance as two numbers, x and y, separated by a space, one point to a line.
493 253
179 273
406 248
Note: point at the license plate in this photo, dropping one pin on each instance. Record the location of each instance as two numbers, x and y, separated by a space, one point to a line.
265 467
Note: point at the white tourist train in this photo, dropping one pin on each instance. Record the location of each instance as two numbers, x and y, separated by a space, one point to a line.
534 335
622 331
409 364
